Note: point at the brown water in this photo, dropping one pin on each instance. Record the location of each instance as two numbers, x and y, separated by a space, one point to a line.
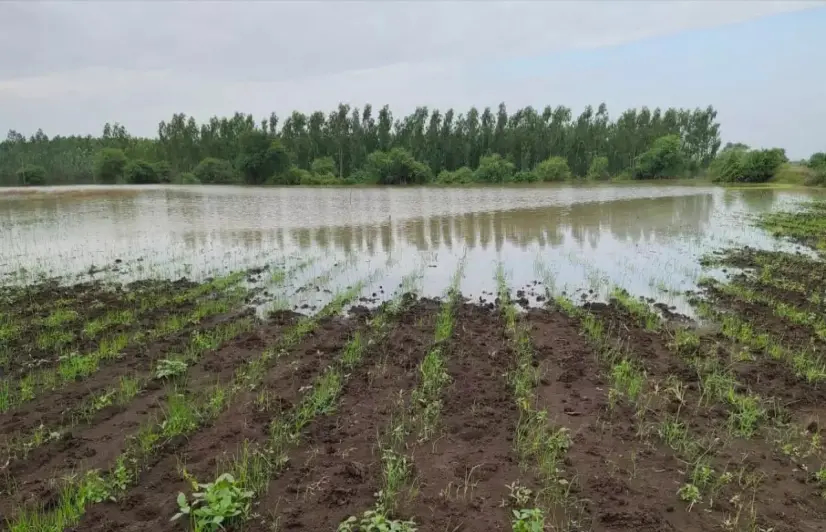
645 238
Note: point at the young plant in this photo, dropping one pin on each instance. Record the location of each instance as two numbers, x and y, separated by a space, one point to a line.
528 520
375 521
168 368
689 493
215 504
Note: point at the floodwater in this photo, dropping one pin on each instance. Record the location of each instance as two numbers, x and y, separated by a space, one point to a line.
577 239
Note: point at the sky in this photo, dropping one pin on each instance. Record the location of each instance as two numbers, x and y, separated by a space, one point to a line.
70 66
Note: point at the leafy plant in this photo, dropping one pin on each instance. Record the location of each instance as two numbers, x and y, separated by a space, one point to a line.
215 504
375 521
689 493
167 368
553 169
109 165
141 173
528 520
31 175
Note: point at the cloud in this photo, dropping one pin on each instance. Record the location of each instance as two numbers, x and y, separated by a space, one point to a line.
76 65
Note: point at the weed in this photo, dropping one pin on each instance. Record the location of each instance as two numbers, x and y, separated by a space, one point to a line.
685 342
627 379
180 416
128 388
396 469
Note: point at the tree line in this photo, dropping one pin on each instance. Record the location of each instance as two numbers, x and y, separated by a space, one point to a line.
353 145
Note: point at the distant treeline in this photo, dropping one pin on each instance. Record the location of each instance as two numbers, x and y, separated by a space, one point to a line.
351 145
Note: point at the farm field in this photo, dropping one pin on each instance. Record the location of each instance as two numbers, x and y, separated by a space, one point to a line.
306 394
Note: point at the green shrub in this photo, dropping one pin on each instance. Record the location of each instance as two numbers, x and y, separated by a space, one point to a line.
599 168
396 167
261 157
553 169
109 165
461 176
163 171
359 176
188 178
760 165
141 173
525 177
323 179
817 177
215 171
324 166
664 159
31 175
494 169
292 176
817 160
738 165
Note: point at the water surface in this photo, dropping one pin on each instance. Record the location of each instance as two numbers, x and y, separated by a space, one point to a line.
577 239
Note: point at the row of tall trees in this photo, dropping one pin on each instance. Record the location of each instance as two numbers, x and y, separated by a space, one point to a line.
344 140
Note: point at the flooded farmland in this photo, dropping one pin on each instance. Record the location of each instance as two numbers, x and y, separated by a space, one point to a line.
615 358
580 240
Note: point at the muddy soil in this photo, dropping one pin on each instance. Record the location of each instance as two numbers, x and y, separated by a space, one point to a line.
85 302
97 443
151 503
621 476
57 408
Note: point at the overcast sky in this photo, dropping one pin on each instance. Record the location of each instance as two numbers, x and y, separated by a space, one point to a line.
70 66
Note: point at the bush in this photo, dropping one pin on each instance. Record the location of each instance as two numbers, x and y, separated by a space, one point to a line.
664 159
728 166
818 177
261 157
760 165
109 165
461 176
292 176
31 175
553 169
359 176
163 171
188 178
396 167
599 168
315 180
525 177
494 169
215 171
323 166
817 160
141 173
744 166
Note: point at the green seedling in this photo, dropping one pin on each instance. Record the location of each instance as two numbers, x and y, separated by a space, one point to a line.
820 477
396 469
168 368
375 521
528 520
519 496
689 493
215 504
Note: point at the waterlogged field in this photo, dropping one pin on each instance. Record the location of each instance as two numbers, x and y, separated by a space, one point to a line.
571 359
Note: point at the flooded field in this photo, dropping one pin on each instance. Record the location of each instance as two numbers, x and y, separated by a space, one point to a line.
617 358
647 239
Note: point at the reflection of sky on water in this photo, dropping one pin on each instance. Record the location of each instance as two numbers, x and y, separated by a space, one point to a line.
644 238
